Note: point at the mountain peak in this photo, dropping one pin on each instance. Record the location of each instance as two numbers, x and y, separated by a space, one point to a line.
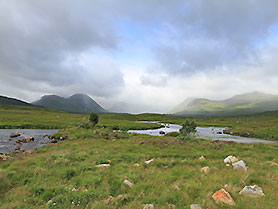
77 103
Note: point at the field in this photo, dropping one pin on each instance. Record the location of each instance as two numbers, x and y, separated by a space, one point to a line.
65 175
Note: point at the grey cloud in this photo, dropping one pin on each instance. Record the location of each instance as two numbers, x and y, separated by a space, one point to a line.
38 38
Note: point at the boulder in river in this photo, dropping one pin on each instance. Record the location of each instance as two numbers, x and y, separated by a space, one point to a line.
28 139
222 196
14 134
161 132
240 165
253 191
17 149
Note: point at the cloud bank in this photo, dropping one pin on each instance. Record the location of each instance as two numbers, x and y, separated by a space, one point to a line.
138 56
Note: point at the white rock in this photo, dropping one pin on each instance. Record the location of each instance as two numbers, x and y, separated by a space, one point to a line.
230 159
149 161
205 170
148 206
49 202
128 183
202 158
227 165
195 206
103 165
240 165
136 165
253 191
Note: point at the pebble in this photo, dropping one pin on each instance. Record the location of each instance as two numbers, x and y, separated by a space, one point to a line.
128 183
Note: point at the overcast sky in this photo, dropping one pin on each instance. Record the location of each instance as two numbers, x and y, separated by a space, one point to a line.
138 56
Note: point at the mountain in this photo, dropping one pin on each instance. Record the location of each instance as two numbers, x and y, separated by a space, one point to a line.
244 104
11 101
77 103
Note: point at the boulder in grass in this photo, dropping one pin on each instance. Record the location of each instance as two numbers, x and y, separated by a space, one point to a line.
253 191
240 165
202 158
103 165
205 170
14 134
222 196
148 206
231 159
128 183
195 206
149 161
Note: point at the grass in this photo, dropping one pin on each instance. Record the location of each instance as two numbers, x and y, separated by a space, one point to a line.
64 175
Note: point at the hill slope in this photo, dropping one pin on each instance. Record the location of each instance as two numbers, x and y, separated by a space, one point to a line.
243 104
77 103
11 101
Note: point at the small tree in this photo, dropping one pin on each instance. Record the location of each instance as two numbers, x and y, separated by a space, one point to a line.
188 128
93 118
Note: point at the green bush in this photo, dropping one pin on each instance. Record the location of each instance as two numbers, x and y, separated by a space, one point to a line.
93 118
188 128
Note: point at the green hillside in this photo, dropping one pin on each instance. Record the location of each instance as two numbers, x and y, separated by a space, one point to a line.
77 103
11 101
244 104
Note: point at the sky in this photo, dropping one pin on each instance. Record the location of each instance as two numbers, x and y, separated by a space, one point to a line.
140 55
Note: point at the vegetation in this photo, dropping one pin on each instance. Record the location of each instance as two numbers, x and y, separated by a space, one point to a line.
93 119
188 128
64 175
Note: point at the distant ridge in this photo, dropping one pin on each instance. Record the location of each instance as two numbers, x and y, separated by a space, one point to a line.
243 104
77 103
11 101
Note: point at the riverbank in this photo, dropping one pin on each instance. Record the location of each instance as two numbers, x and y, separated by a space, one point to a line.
66 175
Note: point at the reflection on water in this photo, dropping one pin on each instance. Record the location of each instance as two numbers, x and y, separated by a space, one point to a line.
8 144
209 133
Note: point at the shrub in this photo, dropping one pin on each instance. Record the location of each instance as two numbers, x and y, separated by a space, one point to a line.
93 118
188 128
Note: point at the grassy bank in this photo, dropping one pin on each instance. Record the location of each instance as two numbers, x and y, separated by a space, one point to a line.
66 173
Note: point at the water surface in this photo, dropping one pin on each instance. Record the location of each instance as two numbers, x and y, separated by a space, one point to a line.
209 133
8 144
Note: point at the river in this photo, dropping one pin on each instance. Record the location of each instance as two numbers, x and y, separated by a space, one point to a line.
8 144
209 133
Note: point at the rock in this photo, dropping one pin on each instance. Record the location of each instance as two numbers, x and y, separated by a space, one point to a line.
219 132
171 206
161 132
49 202
136 165
15 134
222 196
103 165
3 157
53 140
228 165
17 149
128 183
28 139
205 170
149 161
148 206
64 137
253 191
240 165
230 159
195 206
202 158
